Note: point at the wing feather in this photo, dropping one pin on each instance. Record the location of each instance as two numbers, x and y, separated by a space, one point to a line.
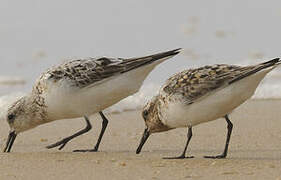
88 72
195 83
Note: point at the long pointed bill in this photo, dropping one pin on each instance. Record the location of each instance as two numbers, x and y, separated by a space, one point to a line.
145 136
10 141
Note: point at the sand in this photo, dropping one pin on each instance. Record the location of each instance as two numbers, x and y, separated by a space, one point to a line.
254 152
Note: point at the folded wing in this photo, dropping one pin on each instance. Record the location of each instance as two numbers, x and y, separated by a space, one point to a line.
195 83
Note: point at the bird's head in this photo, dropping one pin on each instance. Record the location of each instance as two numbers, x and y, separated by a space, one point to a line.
152 120
22 115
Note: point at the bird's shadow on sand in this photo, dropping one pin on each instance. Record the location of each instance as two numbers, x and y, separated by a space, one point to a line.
249 154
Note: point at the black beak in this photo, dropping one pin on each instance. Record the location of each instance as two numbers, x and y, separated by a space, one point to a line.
10 141
145 136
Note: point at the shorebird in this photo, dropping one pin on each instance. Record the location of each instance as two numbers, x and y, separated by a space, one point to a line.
80 88
200 95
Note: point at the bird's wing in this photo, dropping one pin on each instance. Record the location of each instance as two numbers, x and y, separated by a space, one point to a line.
88 72
195 83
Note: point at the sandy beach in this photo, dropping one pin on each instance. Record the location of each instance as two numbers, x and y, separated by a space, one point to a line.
254 152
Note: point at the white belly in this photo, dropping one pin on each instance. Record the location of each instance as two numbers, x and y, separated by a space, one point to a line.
67 102
215 105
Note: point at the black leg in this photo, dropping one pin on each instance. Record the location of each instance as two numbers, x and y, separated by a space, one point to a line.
64 141
104 125
229 130
182 156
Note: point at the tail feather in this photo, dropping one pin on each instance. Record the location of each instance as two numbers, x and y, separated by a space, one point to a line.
272 63
134 63
164 54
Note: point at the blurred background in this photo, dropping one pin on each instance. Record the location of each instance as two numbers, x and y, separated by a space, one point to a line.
37 34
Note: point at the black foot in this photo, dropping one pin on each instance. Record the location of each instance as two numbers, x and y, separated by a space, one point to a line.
179 157
86 150
222 156
61 143
64 141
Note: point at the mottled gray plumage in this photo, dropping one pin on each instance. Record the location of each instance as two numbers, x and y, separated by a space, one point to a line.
194 83
85 72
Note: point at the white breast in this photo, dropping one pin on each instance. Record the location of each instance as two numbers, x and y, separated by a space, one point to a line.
215 105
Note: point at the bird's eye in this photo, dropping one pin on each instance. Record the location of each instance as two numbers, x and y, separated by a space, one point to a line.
145 114
11 117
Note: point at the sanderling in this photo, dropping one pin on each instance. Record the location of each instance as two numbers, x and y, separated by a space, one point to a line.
80 88
200 95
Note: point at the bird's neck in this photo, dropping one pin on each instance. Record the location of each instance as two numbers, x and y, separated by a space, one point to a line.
158 125
37 107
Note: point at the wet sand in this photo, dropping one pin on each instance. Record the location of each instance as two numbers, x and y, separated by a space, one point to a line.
254 152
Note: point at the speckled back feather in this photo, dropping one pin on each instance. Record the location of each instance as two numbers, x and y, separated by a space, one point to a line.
87 72
84 72
194 83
